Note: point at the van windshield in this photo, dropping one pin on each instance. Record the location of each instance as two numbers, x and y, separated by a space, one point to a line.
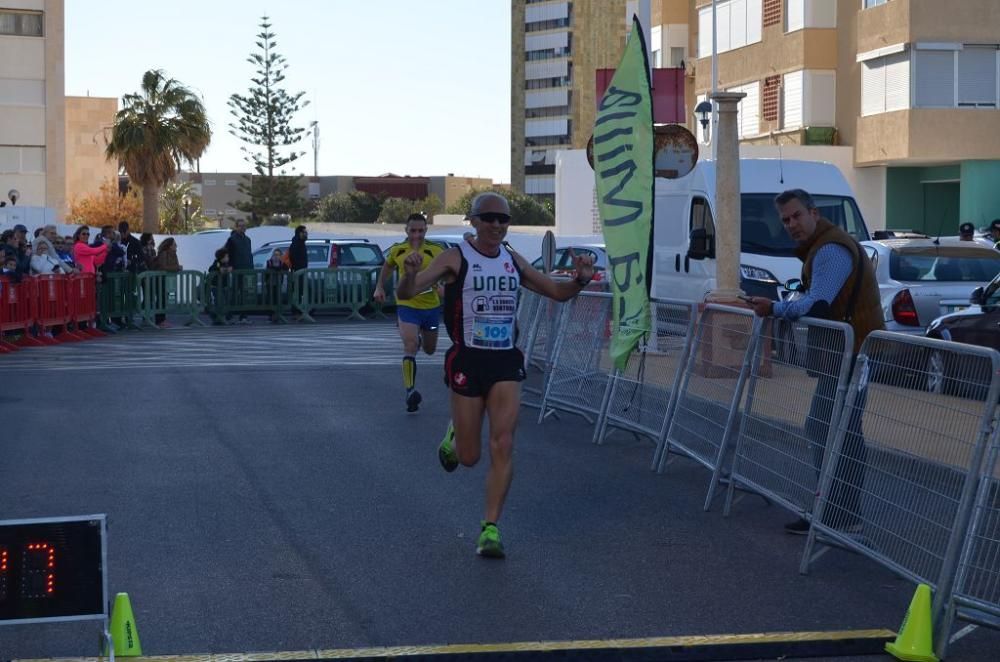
764 234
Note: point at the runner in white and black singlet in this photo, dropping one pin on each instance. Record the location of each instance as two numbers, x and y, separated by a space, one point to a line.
484 368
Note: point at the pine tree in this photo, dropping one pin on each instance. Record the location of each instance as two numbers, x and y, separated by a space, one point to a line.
264 123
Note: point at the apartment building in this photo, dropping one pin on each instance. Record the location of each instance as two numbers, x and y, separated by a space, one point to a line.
908 89
32 105
556 48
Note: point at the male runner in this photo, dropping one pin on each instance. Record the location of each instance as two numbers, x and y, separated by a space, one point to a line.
417 315
483 367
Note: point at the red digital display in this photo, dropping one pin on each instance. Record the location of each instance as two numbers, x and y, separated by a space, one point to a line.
51 569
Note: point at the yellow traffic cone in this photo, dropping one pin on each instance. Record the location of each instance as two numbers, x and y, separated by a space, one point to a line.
123 631
915 641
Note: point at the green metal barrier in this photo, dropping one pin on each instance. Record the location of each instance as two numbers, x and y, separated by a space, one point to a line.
247 291
117 299
347 289
163 292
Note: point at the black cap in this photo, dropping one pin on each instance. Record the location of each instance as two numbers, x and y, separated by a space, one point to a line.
20 228
966 228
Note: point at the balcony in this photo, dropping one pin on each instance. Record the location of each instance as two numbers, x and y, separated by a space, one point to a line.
927 135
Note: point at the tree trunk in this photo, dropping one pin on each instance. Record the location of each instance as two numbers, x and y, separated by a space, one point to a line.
151 208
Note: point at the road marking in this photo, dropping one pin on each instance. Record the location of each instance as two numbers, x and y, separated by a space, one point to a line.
704 647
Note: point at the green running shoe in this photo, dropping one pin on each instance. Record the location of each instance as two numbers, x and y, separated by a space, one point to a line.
446 450
489 545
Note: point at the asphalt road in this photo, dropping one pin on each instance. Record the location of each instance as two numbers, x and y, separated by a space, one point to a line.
267 491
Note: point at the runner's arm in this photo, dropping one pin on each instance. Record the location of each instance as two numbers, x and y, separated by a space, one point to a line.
442 268
560 290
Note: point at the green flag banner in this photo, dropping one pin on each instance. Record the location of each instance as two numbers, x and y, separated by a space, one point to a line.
623 167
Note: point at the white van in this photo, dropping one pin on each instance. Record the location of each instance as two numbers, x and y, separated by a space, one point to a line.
684 229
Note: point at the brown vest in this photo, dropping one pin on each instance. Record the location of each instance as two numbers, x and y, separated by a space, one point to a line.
867 314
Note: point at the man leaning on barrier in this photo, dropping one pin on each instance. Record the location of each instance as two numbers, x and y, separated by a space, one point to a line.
840 285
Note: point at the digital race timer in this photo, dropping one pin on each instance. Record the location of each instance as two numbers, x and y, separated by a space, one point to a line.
52 569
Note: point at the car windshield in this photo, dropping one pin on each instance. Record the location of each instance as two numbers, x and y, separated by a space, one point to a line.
764 234
944 264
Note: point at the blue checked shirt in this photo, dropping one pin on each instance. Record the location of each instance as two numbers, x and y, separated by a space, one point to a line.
833 264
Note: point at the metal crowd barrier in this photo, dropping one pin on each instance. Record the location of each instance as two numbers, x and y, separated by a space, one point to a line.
900 479
798 377
539 344
345 289
117 299
163 292
639 398
579 367
709 394
976 596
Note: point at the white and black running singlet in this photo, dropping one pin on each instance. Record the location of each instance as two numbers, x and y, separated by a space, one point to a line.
480 307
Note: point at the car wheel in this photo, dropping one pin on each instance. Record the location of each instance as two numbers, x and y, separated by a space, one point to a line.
935 372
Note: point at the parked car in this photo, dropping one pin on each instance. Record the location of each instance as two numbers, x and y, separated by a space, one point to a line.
921 278
978 323
562 265
325 253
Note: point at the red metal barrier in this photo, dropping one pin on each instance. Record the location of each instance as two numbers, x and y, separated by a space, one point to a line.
53 309
16 309
82 292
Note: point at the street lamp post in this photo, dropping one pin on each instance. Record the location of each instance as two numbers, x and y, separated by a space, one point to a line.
187 213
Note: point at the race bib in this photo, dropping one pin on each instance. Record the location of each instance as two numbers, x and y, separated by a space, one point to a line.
492 332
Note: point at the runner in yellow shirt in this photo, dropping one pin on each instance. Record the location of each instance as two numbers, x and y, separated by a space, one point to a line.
417 317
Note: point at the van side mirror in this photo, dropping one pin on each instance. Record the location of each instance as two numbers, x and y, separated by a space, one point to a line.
701 245
976 298
794 285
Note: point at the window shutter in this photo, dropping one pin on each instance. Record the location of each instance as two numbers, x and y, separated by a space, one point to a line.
723 30
737 23
873 87
977 76
935 84
897 81
748 116
795 19
705 32
792 106
754 21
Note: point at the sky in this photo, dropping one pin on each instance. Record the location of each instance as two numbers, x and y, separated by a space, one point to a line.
412 87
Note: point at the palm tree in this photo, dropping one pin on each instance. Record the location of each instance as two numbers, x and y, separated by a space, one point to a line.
158 129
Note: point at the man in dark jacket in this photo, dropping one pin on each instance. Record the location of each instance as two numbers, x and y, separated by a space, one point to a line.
133 249
298 257
240 252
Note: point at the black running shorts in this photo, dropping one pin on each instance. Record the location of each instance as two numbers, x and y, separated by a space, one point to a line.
472 372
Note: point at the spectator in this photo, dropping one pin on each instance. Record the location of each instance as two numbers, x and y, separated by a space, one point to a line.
240 252
166 260
43 261
107 234
133 249
275 280
115 261
298 257
64 249
53 244
148 244
966 231
87 257
277 261
10 268
219 284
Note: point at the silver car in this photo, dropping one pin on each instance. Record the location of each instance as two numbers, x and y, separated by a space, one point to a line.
922 278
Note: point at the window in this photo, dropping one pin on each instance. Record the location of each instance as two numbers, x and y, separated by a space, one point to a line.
868 4
676 56
738 23
936 65
764 234
885 83
22 24
701 219
801 14
209 182
749 109
657 57
230 182
943 265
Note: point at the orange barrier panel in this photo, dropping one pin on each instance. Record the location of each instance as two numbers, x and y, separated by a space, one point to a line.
52 309
15 308
82 294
